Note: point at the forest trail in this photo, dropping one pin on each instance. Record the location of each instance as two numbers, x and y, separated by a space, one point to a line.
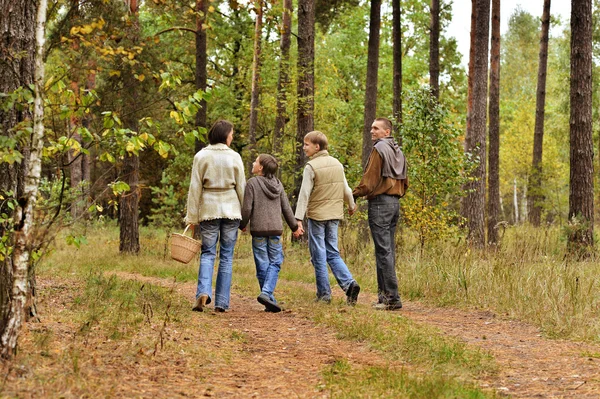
292 351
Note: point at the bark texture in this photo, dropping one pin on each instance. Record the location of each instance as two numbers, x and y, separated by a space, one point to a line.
306 84
23 234
397 51
129 235
494 130
434 50
371 82
284 78
255 92
201 63
581 190
473 204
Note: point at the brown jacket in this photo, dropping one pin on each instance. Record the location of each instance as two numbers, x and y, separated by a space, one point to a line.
373 184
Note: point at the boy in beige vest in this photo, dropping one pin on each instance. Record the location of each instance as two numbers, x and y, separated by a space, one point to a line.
322 195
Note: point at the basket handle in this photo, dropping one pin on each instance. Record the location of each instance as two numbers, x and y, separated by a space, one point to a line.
186 228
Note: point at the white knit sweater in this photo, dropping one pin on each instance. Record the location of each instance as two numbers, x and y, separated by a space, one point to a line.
217 185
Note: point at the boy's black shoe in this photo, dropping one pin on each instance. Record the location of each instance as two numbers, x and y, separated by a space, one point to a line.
352 293
270 306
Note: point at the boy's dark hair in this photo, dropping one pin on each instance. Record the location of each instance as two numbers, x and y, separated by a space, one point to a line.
269 165
386 123
318 138
219 131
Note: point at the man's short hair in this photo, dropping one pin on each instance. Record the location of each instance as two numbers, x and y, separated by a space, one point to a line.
269 165
387 124
219 131
317 137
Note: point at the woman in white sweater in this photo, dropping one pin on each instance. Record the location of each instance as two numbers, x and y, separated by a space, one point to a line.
214 202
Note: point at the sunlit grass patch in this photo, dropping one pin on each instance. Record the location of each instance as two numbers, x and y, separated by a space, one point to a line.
346 381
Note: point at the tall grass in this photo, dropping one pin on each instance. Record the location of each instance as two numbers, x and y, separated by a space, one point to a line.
529 277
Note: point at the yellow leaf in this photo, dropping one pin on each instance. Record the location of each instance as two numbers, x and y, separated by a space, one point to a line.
211 9
144 136
130 147
115 73
140 77
87 29
74 30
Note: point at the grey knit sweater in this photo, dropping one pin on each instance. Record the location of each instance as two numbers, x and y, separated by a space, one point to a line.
264 203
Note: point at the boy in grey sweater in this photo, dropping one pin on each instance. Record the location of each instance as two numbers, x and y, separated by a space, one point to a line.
264 203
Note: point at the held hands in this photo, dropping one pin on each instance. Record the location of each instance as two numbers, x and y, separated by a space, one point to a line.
300 230
352 210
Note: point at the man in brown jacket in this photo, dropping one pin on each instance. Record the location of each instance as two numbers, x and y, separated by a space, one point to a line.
383 183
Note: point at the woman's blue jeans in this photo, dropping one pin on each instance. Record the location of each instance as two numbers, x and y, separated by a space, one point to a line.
268 257
323 246
223 231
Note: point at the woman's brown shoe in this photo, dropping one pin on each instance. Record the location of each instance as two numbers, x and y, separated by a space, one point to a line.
200 303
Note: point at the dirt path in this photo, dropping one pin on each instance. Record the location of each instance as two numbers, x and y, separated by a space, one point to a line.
292 352
283 354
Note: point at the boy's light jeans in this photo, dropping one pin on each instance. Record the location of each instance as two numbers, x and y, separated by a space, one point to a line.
323 246
225 232
268 257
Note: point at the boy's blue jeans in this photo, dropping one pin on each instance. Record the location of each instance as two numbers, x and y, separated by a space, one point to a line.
268 257
225 232
323 246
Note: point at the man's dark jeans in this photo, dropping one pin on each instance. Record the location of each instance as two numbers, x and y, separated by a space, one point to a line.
383 217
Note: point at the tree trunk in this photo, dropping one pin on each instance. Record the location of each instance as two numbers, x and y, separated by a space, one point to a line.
284 79
129 238
494 129
397 51
581 192
371 83
535 197
201 62
255 93
306 84
473 204
17 49
23 234
434 50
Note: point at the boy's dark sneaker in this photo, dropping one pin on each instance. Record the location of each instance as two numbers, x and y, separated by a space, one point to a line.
352 293
270 306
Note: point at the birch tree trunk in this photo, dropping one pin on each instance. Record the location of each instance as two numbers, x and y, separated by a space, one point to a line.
535 196
24 213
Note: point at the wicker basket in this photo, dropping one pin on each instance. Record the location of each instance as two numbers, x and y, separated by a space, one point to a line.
184 248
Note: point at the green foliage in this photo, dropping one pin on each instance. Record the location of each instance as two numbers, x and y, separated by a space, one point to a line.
436 166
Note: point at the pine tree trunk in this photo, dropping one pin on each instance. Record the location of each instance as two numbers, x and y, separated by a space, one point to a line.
255 93
201 63
306 84
473 204
371 83
284 79
535 197
23 236
397 51
494 129
434 50
581 193
129 238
